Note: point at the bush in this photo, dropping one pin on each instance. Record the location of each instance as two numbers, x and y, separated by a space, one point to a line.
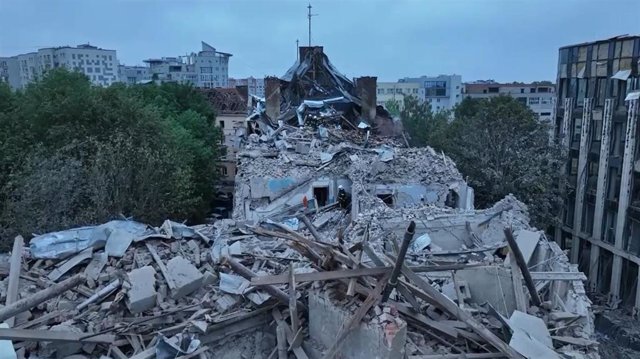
73 154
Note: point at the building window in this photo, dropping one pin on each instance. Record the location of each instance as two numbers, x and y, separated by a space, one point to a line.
380 91
522 100
223 171
90 69
97 69
221 124
493 89
389 91
534 100
521 90
415 91
532 90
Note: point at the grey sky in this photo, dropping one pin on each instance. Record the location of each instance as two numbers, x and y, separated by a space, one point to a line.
507 40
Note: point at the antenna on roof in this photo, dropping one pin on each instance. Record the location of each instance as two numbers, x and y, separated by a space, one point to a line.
309 17
297 49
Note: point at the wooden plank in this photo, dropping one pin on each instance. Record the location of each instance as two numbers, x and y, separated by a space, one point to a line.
40 297
292 339
15 266
526 274
293 297
462 315
459 356
161 266
54 336
347 273
516 277
442 328
564 276
40 320
61 270
356 265
282 342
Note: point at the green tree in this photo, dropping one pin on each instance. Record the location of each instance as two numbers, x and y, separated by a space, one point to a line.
422 126
502 148
393 106
74 154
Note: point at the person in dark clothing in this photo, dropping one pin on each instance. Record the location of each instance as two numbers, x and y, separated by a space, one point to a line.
343 198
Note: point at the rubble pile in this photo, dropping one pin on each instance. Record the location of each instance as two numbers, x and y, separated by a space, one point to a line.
211 290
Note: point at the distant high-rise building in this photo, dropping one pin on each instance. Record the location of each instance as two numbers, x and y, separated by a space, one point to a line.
132 75
208 68
597 126
99 65
538 96
443 92
254 85
10 71
396 91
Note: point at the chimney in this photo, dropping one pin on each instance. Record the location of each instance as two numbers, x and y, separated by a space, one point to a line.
272 97
366 88
243 91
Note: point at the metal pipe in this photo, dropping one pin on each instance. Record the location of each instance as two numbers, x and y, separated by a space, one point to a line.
393 279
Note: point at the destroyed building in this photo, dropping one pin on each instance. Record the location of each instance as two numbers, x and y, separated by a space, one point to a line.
409 269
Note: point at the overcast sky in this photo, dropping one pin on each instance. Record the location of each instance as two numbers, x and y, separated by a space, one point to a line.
506 40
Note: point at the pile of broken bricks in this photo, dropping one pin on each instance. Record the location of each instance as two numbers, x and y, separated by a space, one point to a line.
129 291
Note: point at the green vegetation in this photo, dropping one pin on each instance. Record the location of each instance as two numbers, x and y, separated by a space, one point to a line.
499 146
73 154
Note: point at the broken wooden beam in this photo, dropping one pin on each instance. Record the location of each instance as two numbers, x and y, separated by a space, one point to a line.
15 266
564 276
161 266
312 229
526 274
448 305
281 342
53 336
248 274
459 356
40 297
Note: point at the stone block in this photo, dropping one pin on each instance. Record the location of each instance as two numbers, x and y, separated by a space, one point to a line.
142 294
185 276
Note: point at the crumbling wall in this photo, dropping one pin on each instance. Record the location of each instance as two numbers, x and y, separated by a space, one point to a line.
383 336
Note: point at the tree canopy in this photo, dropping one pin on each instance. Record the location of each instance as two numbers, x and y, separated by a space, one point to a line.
500 146
75 154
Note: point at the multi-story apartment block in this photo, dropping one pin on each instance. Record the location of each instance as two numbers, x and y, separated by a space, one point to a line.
443 92
538 96
208 68
255 86
99 65
396 91
132 75
10 71
597 126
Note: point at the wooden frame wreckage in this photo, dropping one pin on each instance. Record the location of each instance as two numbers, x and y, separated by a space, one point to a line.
407 269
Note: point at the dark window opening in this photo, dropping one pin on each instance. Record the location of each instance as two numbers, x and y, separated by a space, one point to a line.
321 194
494 89
221 124
452 199
387 198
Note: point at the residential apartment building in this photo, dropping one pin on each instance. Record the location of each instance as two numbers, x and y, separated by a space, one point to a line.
255 86
443 92
10 71
597 126
208 68
132 75
538 96
99 65
396 91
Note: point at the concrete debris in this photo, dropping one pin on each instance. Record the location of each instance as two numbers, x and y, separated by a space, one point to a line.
313 263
